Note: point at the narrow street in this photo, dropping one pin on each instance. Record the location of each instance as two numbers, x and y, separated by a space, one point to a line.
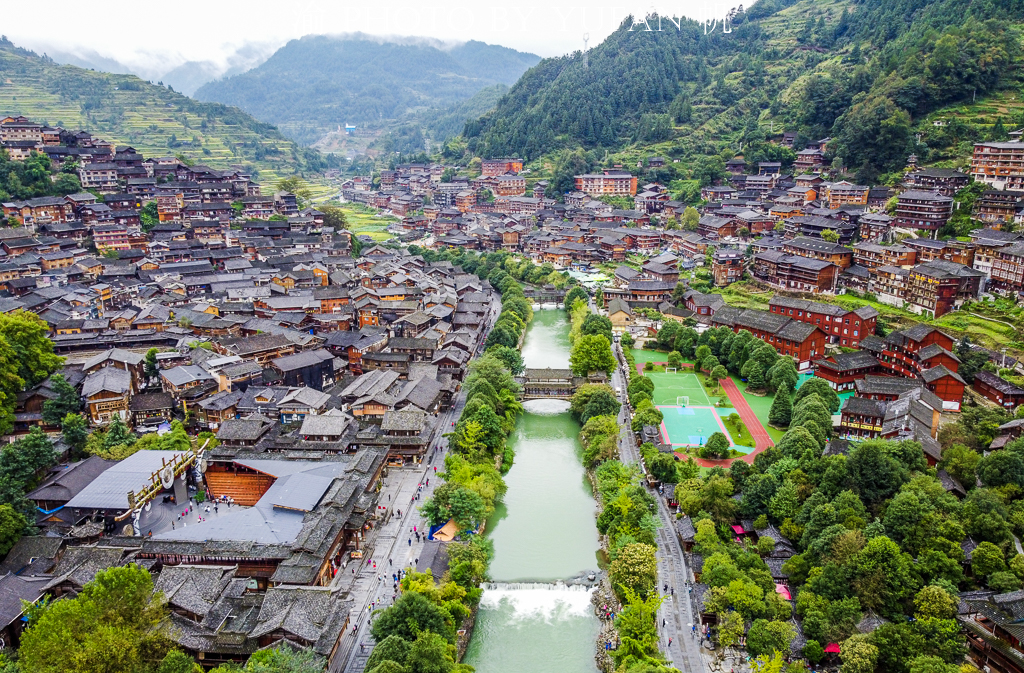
393 546
676 615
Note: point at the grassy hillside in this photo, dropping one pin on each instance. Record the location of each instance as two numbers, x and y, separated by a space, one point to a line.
155 120
864 73
312 85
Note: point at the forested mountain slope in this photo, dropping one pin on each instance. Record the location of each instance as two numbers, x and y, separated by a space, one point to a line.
314 84
155 120
858 71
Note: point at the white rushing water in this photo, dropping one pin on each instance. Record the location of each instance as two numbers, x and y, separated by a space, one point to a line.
546 407
547 601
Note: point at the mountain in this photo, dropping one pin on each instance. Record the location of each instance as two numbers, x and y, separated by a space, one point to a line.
859 71
90 60
185 77
155 120
191 75
314 84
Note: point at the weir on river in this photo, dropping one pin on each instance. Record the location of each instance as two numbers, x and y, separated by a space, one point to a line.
544 532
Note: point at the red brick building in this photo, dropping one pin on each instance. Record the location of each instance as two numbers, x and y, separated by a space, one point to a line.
727 266
998 389
799 340
1000 164
923 211
843 327
611 182
844 370
795 273
924 353
493 167
872 255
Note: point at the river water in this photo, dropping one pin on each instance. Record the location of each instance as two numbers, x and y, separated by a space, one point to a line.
543 532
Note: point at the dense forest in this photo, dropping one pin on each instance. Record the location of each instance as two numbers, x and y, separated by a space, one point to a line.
314 84
861 72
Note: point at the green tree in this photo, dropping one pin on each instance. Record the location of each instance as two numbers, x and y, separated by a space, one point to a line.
177 661
20 463
66 402
717 446
430 653
961 463
718 373
821 388
646 414
576 293
501 335
597 324
1003 582
334 216
28 335
591 352
811 408
118 433
932 664
109 627
284 660
813 651
393 648
858 655
781 412
781 375
768 637
786 502
691 218
987 559
934 602
604 403
674 359
410 614
510 357
830 235
600 393
149 216
883 576
12 526
635 568
1000 468
152 371
75 430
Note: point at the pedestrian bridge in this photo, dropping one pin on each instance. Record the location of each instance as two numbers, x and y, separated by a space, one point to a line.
553 384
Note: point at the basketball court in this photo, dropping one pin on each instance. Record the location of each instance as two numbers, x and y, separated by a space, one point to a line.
691 426
670 386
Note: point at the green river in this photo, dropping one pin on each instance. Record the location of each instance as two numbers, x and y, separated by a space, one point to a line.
543 532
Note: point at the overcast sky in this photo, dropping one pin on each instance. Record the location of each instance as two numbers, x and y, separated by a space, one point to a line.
160 36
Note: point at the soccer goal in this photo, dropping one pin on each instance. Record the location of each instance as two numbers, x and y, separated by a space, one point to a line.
671 370
683 401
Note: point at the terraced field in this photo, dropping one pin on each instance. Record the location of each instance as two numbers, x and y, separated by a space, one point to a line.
155 120
362 220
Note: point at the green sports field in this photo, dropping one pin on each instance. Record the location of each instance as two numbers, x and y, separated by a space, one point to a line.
669 386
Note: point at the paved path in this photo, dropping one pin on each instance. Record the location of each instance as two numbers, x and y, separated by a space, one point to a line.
391 541
676 611
761 438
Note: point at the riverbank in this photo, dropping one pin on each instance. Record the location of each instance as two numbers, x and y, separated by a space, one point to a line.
537 612
437 613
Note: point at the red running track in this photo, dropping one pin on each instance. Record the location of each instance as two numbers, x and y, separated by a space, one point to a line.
761 438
